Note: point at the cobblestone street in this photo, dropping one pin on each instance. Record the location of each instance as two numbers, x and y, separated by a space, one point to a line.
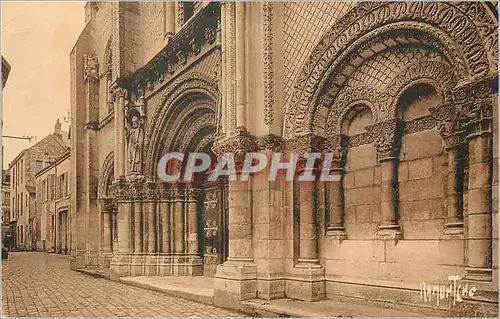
40 284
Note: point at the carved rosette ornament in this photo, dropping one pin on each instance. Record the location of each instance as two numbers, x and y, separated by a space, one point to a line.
385 138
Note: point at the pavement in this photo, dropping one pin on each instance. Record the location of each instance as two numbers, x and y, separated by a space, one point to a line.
36 284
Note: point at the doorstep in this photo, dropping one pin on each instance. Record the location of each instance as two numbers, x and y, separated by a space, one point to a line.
96 272
195 288
323 308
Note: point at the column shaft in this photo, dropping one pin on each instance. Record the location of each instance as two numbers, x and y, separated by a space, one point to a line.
106 231
124 234
240 65
151 229
388 200
178 227
137 228
192 228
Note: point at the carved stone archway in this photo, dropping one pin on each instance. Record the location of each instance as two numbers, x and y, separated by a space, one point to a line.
464 33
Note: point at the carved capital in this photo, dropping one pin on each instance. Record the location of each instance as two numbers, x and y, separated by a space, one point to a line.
471 91
109 205
480 115
384 135
271 142
450 120
336 144
151 191
239 144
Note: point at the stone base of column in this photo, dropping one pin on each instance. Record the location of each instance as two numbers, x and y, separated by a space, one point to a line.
336 234
478 274
234 282
105 258
119 266
389 233
271 288
306 282
155 265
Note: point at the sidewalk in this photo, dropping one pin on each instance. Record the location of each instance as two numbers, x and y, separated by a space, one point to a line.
200 289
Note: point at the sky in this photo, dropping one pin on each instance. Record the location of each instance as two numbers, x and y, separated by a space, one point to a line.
37 38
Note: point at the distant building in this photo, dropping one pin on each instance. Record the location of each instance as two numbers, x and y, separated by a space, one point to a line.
22 187
52 206
5 175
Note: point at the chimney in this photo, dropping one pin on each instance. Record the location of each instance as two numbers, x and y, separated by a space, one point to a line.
57 128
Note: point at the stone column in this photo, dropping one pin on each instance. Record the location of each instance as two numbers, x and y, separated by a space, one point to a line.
387 139
448 117
178 226
137 227
335 189
119 119
192 221
479 227
240 65
150 230
165 228
169 19
308 251
106 231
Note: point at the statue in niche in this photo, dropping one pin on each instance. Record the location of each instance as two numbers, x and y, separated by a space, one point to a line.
135 139
91 66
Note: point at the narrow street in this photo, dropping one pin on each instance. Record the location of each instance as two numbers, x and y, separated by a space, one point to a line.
42 285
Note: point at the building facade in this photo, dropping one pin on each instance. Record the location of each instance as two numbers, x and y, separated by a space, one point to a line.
52 211
400 93
23 188
6 233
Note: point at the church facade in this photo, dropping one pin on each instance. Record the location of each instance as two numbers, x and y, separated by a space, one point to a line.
403 94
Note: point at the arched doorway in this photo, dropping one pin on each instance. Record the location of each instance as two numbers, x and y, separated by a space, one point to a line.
193 214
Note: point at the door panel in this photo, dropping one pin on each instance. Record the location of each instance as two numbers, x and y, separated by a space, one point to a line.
214 229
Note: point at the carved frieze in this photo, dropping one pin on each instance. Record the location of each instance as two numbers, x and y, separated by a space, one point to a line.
193 36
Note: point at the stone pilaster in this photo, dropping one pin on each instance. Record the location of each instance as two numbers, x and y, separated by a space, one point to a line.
386 137
236 279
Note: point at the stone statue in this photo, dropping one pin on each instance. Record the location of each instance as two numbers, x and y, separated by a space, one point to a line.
91 69
135 138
